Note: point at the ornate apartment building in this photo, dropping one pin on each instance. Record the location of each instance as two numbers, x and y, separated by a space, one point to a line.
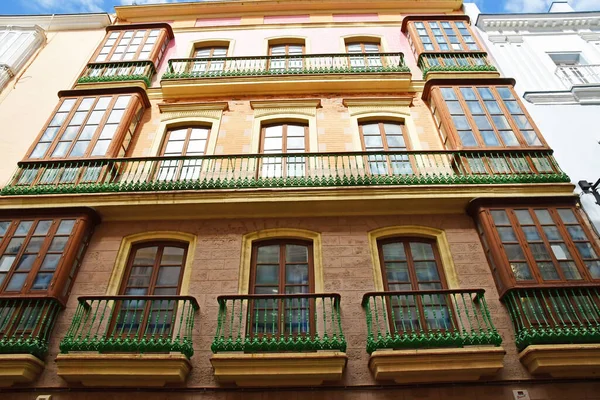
265 199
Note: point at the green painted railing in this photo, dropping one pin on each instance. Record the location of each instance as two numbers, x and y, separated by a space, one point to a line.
284 170
554 314
453 61
118 71
26 324
279 322
305 64
137 324
428 318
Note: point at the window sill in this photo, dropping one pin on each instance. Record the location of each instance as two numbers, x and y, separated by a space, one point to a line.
436 365
562 360
279 369
19 368
123 370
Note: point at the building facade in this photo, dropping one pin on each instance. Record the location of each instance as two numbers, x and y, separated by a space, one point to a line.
265 199
554 57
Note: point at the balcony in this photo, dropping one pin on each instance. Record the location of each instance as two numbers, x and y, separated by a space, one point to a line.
557 328
578 75
431 335
342 73
25 327
126 71
431 63
129 341
281 340
317 170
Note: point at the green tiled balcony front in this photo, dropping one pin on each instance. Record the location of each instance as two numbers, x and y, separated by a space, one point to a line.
279 340
454 62
286 74
124 71
26 324
554 314
434 167
431 335
285 65
129 341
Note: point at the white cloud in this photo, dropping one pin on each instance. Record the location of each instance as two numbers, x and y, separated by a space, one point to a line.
65 6
533 6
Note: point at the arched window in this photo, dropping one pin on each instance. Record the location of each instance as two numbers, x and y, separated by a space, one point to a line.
153 269
211 59
412 270
286 55
385 136
364 54
183 141
284 138
282 267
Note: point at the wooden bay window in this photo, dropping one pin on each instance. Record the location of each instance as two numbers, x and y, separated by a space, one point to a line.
440 34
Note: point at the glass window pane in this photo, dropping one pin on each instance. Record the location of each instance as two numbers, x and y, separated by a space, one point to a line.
570 270
59 243
35 244
548 271
145 256
507 234
268 254
504 93
521 271
65 227
393 251
50 262
460 122
468 94
296 253
544 217
560 251
448 94
500 217
552 233
421 251
567 216
16 282
42 280
172 256
426 271
586 250
43 227
26 262
6 262
168 276
101 148
296 274
485 93
267 274
576 232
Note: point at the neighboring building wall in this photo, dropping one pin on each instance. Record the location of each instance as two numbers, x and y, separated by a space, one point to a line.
562 113
55 67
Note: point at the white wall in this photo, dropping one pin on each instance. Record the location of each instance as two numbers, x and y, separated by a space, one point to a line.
571 130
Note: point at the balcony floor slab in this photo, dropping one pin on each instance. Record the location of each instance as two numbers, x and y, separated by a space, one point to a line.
19 368
123 370
436 365
280 369
562 360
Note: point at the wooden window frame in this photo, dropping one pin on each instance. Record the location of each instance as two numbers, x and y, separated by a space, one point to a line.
155 53
504 272
284 126
453 137
131 109
363 53
189 128
386 148
419 47
414 283
68 265
282 285
211 55
287 53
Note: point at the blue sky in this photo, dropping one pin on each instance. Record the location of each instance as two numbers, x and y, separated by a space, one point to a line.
74 6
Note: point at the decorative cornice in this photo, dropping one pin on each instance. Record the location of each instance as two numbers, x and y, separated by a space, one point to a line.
534 23
164 11
579 94
590 36
60 22
300 107
390 105
179 107
192 110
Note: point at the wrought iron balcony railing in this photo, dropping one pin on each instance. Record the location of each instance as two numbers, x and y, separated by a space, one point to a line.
285 170
428 318
578 74
138 324
26 324
554 314
305 64
279 322
118 71
449 62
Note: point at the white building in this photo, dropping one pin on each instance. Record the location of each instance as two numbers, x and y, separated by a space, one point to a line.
555 59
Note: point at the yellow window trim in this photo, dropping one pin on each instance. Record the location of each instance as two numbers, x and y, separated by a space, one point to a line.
416 231
118 272
280 233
